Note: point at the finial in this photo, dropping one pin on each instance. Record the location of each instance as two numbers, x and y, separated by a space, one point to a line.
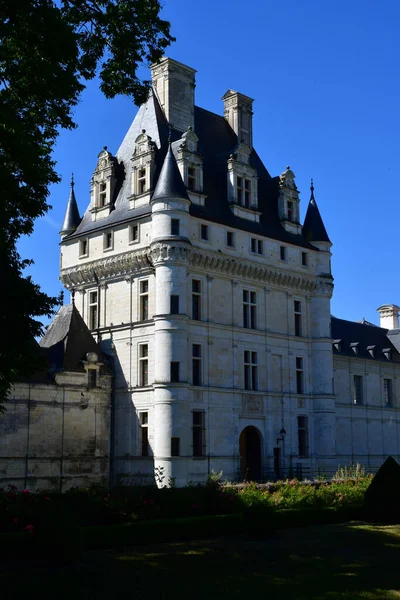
169 134
143 131
287 168
73 296
72 180
104 147
312 189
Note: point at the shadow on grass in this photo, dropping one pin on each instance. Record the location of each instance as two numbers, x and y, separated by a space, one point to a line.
328 562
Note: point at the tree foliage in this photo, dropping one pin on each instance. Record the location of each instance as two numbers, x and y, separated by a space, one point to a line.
48 50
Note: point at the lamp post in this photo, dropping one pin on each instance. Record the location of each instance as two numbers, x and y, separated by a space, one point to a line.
282 434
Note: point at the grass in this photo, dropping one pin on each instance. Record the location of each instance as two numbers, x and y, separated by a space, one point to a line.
331 562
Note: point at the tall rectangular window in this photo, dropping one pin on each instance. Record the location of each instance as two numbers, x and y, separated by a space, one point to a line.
388 392
196 364
93 310
302 435
196 299
143 365
198 433
102 194
83 248
174 372
256 246
299 375
282 252
358 395
191 178
297 318
141 180
243 191
304 259
229 239
144 300
133 234
204 232
107 240
249 309
174 226
144 433
290 210
174 304
250 370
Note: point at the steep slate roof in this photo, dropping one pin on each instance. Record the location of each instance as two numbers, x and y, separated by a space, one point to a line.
72 217
350 332
217 141
314 228
68 340
170 183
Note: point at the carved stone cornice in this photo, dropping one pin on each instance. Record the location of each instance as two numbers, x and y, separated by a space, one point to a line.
170 251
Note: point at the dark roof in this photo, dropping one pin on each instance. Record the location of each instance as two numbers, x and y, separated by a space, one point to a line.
170 183
314 228
68 340
72 217
369 341
217 141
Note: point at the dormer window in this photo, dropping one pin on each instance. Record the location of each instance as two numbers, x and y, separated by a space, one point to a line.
141 181
103 184
387 353
355 347
243 191
191 178
102 194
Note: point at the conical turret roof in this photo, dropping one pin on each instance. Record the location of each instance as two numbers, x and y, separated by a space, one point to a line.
314 228
170 183
72 217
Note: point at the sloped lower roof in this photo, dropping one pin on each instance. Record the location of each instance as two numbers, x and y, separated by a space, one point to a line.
68 340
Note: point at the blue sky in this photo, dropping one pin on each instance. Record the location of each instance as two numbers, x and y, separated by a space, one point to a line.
325 79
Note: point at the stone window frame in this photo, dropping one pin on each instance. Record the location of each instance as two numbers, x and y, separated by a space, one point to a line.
299 363
143 364
198 433
358 389
249 303
144 433
388 395
93 309
144 299
250 370
196 299
132 239
231 233
298 317
204 229
108 240
257 246
197 359
84 247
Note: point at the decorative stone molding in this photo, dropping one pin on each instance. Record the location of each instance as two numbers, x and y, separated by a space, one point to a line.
252 404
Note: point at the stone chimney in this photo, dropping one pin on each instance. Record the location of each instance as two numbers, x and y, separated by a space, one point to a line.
174 85
389 316
238 111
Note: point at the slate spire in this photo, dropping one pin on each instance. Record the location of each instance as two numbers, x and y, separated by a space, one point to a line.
72 217
170 184
314 228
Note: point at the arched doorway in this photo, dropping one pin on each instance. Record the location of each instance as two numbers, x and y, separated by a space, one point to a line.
250 453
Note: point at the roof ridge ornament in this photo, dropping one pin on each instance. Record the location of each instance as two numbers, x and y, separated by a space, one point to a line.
312 190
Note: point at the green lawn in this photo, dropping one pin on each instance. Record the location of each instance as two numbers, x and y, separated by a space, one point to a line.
329 562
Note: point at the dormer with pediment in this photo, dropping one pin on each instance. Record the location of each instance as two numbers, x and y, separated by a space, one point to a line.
190 164
103 185
289 202
143 167
243 184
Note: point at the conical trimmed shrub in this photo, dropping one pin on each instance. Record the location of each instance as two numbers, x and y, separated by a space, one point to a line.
382 498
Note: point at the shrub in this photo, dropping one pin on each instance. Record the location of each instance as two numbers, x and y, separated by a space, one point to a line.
382 498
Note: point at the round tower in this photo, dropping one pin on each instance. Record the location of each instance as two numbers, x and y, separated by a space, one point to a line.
170 249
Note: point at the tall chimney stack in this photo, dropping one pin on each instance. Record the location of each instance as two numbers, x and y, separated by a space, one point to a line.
389 316
238 111
174 85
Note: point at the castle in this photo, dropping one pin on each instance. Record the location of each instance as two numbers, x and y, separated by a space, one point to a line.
199 336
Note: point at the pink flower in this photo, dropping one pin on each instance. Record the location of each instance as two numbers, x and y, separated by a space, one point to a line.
26 492
293 482
276 499
29 528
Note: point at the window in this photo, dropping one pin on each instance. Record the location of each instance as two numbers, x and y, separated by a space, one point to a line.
388 392
229 239
196 299
299 375
302 434
141 180
196 364
297 318
144 300
304 259
290 211
83 247
175 446
243 191
256 246
249 309
93 310
143 365
282 252
102 194
358 389
133 234
198 433
144 433
174 372
191 178
108 240
174 226
204 232
174 305
250 370
92 378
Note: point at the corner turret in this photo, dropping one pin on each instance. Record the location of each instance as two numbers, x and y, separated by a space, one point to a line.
72 217
314 228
